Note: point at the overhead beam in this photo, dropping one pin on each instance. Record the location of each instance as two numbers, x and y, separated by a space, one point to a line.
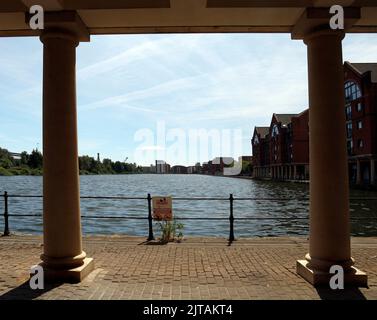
12 6
114 4
69 21
316 18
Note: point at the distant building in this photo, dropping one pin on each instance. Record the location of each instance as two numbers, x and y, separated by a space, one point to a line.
178 169
217 165
194 169
14 155
162 167
148 169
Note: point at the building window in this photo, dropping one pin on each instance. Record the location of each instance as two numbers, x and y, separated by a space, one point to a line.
349 130
275 130
359 124
352 91
348 112
349 146
359 107
360 143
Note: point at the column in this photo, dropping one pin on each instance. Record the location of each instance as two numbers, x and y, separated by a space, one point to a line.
372 172
63 257
358 172
329 240
294 172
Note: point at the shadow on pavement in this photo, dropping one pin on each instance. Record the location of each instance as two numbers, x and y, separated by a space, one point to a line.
24 292
346 294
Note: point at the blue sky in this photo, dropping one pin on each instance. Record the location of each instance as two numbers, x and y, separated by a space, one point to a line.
130 83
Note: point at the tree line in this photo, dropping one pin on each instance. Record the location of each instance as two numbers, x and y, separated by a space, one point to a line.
32 164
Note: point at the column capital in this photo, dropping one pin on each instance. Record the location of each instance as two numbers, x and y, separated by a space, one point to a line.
340 34
63 24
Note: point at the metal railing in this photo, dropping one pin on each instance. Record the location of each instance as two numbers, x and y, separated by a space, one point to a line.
149 217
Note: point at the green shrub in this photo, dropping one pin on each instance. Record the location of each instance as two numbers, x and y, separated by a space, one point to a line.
4 172
170 231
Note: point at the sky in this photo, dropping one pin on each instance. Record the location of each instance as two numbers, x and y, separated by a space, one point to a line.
147 97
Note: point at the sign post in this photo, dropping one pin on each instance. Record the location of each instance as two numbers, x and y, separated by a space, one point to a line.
162 208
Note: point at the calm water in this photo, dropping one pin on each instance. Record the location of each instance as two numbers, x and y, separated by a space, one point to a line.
288 213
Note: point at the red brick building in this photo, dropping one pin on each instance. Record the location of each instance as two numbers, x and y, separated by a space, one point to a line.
288 135
361 113
287 142
261 152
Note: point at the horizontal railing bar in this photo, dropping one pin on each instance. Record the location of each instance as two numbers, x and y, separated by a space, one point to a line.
114 198
23 196
114 217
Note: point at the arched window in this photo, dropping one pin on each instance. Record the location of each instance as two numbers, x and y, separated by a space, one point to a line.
352 91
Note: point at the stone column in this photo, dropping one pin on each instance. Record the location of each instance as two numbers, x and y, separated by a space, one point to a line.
372 172
358 172
63 257
329 241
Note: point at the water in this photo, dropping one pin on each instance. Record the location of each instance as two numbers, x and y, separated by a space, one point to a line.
288 214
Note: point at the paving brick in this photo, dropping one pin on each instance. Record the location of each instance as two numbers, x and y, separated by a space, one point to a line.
198 268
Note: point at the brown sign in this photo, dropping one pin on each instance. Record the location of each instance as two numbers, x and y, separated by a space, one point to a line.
162 208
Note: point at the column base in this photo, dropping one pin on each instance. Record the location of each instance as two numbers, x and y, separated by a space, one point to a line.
355 278
73 275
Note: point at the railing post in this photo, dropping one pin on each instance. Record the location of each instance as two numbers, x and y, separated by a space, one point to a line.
231 219
6 215
150 220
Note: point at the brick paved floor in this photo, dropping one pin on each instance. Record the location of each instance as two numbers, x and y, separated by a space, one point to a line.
127 268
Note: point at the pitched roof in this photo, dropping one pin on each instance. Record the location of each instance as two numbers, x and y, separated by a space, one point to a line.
284 118
361 68
263 131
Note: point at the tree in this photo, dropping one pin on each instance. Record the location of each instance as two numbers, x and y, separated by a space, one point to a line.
6 160
35 160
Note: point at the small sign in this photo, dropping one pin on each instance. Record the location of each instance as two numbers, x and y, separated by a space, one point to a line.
162 208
